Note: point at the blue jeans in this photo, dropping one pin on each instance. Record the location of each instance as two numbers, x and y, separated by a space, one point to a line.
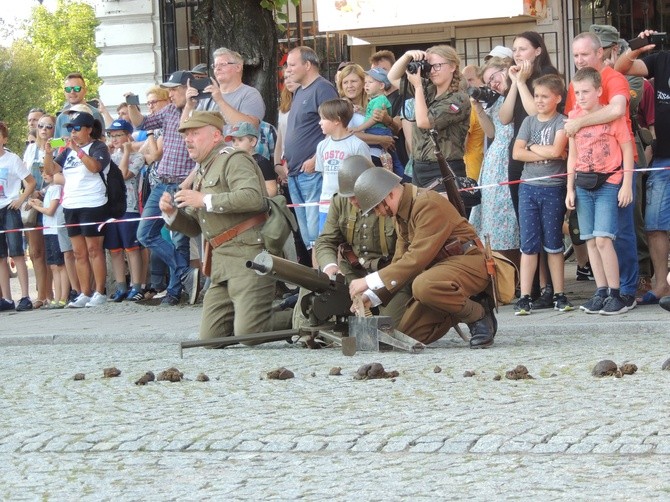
306 187
625 246
597 211
175 254
657 214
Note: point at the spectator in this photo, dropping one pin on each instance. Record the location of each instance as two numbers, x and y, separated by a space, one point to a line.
244 136
338 145
33 158
120 237
657 216
82 163
75 94
531 60
443 106
51 209
541 145
13 173
173 168
494 217
285 101
473 155
33 117
303 135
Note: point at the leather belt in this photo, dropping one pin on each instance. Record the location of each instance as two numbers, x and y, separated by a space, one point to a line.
170 180
455 248
232 232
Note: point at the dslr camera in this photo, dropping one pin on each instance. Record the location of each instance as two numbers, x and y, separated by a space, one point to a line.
422 66
483 94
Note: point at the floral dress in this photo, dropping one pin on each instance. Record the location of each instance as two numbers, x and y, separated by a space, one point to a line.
495 215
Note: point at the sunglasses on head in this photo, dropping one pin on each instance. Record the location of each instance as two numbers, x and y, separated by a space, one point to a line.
71 128
45 126
75 88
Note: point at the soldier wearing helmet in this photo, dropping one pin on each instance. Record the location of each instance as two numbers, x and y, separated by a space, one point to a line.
355 244
437 251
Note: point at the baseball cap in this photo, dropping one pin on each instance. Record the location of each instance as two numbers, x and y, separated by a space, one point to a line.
121 125
200 68
500 51
202 119
177 78
380 75
242 129
80 119
607 34
79 108
343 64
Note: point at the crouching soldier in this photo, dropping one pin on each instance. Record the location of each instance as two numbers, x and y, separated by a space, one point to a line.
438 251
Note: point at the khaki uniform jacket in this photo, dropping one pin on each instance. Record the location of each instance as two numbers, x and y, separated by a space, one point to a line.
423 224
366 238
238 190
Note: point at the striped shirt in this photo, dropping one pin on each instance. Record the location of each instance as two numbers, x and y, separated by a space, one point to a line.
175 162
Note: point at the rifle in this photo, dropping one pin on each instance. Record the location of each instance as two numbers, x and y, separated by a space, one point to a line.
448 176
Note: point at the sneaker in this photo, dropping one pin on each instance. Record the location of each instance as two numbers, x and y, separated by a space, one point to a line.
79 302
523 306
72 296
96 300
24 305
118 296
585 273
149 293
593 305
6 305
562 304
169 301
613 305
134 295
545 300
630 301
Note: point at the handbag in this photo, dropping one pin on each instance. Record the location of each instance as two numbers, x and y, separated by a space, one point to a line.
471 198
591 180
507 278
29 216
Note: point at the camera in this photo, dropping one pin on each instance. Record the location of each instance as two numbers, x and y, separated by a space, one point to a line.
200 84
654 38
483 95
422 66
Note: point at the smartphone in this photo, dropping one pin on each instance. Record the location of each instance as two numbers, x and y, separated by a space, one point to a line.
57 142
94 103
654 38
201 84
133 99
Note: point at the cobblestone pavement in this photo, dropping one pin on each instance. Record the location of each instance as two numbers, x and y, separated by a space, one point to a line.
425 435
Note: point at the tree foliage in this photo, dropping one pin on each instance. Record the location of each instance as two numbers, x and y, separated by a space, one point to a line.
65 40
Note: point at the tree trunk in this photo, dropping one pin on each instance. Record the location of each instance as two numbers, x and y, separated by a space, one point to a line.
245 27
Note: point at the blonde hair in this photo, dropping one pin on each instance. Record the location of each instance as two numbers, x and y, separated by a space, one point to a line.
159 92
360 73
285 100
450 56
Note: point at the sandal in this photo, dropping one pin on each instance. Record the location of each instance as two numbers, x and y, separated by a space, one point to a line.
649 298
40 303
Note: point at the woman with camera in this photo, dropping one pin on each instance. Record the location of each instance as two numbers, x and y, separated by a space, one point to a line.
84 202
439 104
495 215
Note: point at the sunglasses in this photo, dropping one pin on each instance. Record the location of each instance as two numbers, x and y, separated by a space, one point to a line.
30 142
75 88
45 126
71 128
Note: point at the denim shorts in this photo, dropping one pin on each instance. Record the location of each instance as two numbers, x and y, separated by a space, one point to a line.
657 212
85 215
11 243
597 211
541 216
52 250
120 235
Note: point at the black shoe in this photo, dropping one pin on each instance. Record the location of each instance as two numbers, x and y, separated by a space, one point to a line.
545 300
24 305
664 302
484 331
169 301
585 273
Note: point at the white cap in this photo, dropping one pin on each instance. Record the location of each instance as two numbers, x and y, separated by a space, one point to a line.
500 51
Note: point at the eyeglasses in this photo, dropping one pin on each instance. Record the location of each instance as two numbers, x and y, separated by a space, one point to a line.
152 103
116 136
491 78
30 142
75 88
45 126
437 66
71 128
222 65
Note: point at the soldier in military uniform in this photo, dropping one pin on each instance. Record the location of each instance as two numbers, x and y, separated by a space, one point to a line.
353 243
227 205
438 250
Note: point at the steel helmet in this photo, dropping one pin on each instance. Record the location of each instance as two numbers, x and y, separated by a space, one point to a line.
373 186
351 169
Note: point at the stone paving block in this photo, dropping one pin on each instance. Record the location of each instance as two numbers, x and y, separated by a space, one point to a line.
606 448
561 439
662 447
629 439
79 446
177 445
550 448
224 445
636 448
249 446
426 447
597 439
279 446
32 446
364 444
200 445
456 447
105 446
304 444
580 448
397 444
153 445
339 446
488 444
515 447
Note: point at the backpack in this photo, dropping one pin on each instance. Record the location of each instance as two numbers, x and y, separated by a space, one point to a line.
266 140
116 190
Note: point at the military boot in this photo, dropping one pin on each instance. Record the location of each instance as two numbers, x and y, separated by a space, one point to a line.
483 330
